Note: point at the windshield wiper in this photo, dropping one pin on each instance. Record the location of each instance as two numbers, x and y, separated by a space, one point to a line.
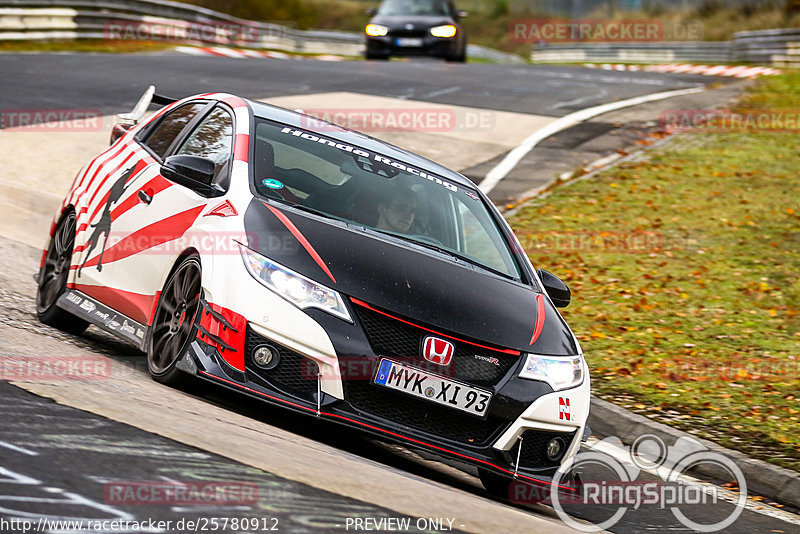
447 252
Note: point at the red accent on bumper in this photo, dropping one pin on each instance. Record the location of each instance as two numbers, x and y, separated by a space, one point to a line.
233 339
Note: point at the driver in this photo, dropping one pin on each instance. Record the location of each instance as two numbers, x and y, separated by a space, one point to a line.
396 213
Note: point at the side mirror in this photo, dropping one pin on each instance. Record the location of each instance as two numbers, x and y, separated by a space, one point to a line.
557 290
462 14
194 172
371 11
118 131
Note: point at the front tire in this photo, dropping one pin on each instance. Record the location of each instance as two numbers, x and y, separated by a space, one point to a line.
173 323
461 57
53 279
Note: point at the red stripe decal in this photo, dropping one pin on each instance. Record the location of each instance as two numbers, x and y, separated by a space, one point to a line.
301 238
153 310
102 203
152 188
234 101
150 236
384 431
537 329
134 305
116 153
241 148
365 305
105 179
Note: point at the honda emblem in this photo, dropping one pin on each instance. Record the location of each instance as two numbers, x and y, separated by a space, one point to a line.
437 350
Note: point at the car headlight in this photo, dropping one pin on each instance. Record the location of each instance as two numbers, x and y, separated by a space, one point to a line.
294 287
448 30
376 30
560 373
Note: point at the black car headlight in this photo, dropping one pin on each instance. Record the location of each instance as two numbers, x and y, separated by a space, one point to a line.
376 30
445 31
294 287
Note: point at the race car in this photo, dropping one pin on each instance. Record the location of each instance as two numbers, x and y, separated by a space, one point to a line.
323 271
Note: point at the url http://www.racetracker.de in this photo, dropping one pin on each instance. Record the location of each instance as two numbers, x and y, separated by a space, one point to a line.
200 524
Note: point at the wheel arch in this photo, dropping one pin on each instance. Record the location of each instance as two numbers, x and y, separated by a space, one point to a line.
57 218
191 251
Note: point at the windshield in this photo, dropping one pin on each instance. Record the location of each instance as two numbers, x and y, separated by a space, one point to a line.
414 7
367 189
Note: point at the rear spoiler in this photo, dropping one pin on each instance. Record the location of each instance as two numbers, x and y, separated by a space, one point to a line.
126 120
138 111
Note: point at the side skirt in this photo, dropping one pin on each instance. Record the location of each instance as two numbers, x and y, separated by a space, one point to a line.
102 316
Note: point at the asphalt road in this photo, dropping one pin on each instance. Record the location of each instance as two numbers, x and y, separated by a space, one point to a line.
64 466
111 82
76 454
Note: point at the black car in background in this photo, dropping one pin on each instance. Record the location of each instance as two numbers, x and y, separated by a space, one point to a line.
416 28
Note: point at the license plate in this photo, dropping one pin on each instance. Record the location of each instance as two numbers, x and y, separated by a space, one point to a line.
408 41
432 387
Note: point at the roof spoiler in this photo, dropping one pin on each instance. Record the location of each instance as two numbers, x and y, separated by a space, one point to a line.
138 111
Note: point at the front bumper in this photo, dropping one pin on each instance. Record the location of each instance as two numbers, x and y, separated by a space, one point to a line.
335 382
431 46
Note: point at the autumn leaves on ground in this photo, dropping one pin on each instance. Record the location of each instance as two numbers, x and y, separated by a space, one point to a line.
685 270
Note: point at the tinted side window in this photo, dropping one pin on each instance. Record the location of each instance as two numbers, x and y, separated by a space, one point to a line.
170 126
212 139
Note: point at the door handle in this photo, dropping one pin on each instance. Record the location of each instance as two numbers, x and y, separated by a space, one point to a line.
144 197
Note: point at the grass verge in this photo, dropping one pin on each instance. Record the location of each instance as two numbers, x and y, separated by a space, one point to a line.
685 274
86 45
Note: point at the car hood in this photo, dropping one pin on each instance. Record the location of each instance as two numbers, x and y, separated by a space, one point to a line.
406 280
396 22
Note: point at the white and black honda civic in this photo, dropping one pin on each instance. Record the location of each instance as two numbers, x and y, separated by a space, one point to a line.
324 271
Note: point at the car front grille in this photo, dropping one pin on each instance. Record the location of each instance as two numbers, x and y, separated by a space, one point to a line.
394 338
421 415
294 375
534 445
408 33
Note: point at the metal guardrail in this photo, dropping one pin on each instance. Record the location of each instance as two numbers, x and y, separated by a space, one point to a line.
779 48
664 52
155 20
